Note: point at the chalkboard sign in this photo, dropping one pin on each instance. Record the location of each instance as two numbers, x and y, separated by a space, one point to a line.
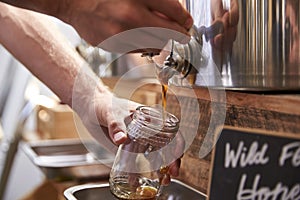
255 165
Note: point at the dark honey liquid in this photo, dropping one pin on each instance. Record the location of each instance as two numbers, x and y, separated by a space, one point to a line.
164 90
123 190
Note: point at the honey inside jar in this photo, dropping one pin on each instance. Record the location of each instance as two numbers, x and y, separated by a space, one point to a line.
144 192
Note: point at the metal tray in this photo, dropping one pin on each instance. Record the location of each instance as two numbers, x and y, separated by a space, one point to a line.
68 159
175 191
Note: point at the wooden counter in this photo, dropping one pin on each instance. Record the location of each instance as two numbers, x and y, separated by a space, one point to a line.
268 112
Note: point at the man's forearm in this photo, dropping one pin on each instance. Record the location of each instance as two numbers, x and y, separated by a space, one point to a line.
42 49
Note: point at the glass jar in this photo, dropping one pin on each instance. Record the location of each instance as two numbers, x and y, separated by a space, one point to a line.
141 162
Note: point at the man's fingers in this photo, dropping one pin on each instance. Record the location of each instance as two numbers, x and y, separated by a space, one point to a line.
173 10
119 137
174 167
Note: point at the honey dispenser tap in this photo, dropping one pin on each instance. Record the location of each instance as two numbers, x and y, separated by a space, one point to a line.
185 59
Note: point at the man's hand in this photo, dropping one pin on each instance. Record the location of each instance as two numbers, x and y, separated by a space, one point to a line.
229 16
97 20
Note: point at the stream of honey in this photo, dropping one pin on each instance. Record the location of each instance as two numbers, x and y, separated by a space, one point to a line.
163 169
164 91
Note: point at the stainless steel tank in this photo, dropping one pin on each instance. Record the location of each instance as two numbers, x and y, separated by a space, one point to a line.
259 48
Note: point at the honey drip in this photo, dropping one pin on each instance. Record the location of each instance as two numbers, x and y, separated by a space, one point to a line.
164 170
